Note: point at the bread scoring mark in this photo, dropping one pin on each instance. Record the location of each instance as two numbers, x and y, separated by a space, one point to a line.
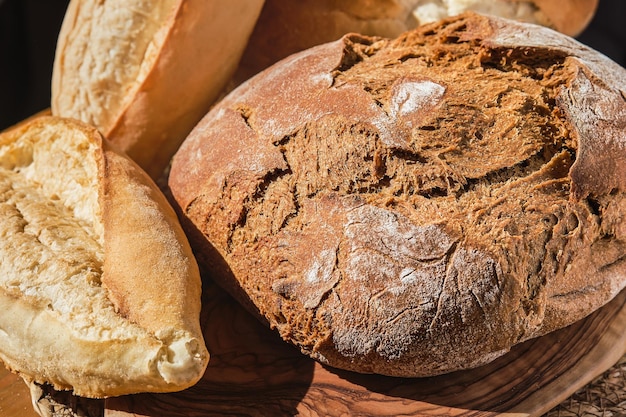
586 103
354 49
442 161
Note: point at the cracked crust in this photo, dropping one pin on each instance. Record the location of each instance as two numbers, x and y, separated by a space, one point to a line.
288 27
418 205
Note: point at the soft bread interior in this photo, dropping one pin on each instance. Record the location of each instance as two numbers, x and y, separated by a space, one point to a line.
52 245
59 324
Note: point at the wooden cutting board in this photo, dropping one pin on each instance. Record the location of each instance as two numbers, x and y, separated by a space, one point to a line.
253 373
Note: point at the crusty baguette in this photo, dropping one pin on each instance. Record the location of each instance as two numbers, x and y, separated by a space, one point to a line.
418 205
288 27
144 72
99 289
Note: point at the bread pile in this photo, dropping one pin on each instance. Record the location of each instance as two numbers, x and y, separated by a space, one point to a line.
392 201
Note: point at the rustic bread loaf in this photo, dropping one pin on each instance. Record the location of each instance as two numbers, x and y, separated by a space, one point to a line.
419 205
145 71
566 16
99 289
286 27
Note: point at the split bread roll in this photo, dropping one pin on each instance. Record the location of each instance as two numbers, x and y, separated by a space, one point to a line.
99 290
419 205
288 27
145 71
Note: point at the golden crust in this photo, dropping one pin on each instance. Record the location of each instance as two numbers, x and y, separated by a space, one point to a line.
145 79
102 294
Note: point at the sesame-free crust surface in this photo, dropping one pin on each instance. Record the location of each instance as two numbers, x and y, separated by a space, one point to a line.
414 210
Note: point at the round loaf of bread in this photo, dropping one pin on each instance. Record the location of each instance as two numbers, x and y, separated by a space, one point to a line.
420 205
284 27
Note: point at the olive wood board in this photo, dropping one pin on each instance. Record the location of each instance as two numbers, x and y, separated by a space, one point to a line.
252 372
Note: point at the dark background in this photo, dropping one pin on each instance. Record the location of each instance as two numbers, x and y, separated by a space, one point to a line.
28 32
29 28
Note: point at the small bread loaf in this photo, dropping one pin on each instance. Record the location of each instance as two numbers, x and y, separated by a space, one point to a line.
144 72
99 289
419 205
288 27
566 16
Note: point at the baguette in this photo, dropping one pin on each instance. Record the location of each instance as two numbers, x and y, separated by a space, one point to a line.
99 289
145 71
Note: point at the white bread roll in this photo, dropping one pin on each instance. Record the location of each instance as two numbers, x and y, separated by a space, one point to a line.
145 71
99 289
288 27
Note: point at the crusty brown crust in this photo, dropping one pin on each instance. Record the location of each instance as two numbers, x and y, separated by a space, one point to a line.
145 72
99 287
285 28
415 206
